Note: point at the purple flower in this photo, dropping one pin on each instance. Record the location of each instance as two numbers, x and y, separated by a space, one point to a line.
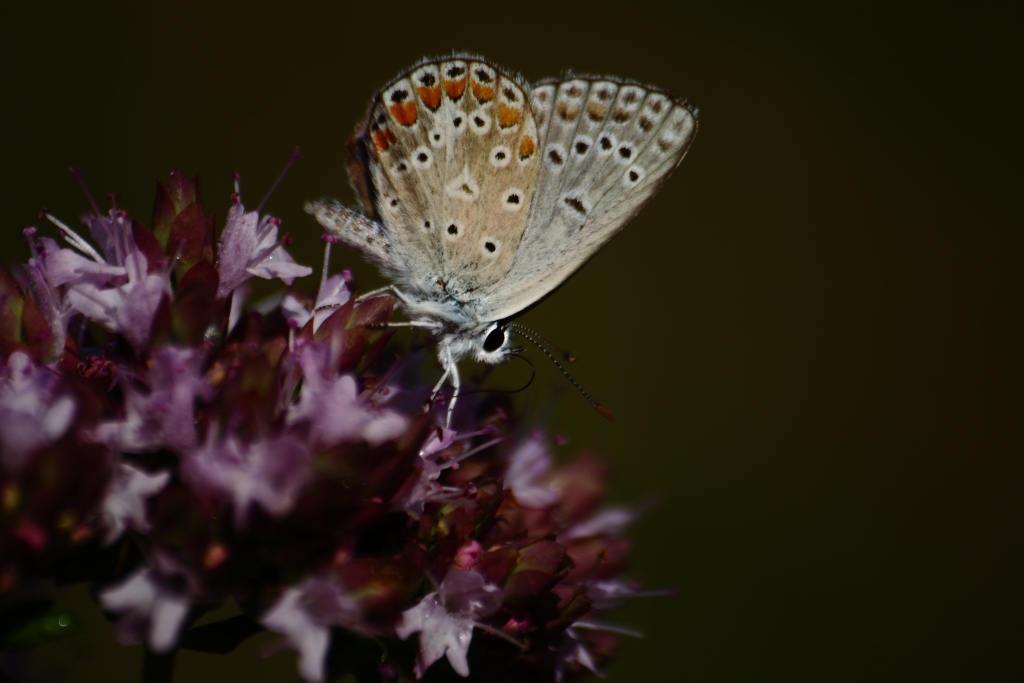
333 294
34 412
249 246
468 554
48 299
153 603
269 473
335 411
573 651
305 615
124 505
426 488
445 619
117 290
528 463
611 522
164 417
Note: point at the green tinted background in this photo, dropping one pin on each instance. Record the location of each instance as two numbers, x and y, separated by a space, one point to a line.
811 337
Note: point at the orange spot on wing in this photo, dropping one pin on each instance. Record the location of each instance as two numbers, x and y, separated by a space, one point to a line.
508 116
596 111
455 88
380 139
404 112
526 147
431 96
484 93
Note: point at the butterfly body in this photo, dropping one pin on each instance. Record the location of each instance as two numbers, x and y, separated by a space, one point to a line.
481 195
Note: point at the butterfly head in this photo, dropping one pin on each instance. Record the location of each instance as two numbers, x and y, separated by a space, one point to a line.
493 344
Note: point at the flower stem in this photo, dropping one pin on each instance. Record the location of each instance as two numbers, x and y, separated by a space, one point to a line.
158 668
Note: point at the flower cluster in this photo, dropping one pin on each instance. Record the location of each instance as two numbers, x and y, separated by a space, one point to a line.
179 449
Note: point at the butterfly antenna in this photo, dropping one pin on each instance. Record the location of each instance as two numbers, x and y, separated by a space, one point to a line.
533 373
521 331
566 355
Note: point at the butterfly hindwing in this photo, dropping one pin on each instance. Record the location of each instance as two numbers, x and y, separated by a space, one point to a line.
606 147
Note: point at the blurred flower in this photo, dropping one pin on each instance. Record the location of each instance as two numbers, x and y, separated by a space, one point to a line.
445 619
305 615
153 603
35 411
124 505
573 651
468 555
267 472
528 463
163 417
605 523
333 408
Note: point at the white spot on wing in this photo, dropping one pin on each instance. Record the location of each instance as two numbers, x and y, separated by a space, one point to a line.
452 230
607 144
555 156
512 200
480 122
582 146
633 175
625 153
463 187
422 158
501 156
490 247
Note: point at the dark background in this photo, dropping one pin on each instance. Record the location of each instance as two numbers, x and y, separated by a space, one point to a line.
810 338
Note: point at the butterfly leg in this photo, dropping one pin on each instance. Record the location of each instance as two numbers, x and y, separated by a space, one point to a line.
412 323
453 373
376 292
440 383
445 358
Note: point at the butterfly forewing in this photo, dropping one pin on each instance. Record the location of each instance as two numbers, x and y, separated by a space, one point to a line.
605 149
452 156
486 196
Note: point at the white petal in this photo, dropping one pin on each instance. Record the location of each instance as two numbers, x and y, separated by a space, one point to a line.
165 624
136 593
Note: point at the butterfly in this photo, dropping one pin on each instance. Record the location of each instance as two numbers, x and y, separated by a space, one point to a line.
482 194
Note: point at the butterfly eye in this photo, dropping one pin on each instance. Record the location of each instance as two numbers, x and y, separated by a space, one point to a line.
494 340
